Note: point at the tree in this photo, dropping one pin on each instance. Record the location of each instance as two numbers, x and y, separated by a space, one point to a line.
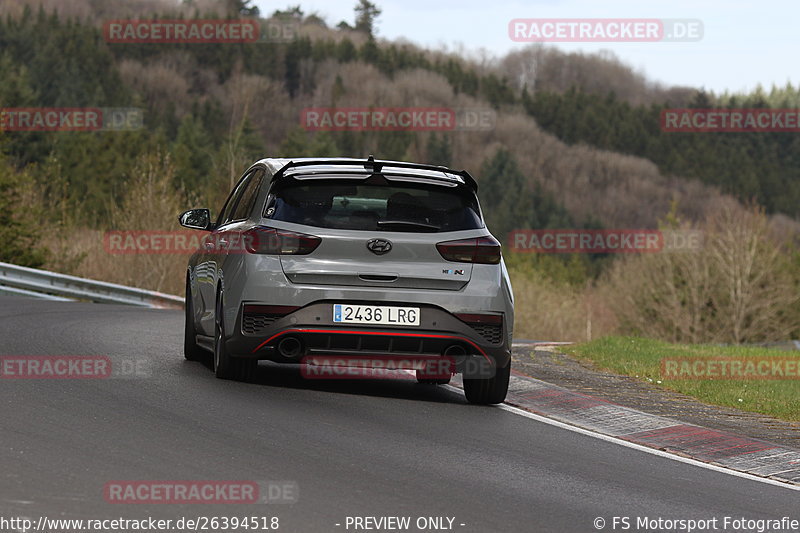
366 13
242 7
511 202
439 150
191 154
296 52
240 147
19 233
300 143
150 204
370 52
739 287
346 51
392 144
293 12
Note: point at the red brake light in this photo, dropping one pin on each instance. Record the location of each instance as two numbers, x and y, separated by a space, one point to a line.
483 250
262 240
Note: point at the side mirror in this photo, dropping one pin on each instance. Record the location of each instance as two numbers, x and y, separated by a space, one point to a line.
196 219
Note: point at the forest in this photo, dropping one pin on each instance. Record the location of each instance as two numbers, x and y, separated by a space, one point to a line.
577 143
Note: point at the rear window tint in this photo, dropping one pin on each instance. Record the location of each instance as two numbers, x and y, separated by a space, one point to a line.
395 207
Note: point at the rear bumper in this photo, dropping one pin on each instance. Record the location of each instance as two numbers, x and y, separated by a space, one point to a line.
313 325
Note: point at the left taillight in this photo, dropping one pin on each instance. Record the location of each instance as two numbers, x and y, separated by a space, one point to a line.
482 250
263 240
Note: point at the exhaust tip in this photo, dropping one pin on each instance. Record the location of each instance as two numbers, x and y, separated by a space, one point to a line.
290 347
455 350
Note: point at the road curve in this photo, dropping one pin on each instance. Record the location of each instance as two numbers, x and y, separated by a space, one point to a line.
368 448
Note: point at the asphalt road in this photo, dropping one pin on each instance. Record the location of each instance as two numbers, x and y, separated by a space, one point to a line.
354 448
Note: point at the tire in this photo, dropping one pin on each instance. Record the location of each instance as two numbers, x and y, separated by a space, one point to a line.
191 350
226 366
490 390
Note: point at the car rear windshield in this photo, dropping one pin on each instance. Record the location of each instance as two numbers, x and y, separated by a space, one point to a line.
342 204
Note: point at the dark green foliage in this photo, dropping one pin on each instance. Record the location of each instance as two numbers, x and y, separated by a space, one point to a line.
300 143
293 12
20 226
191 153
394 144
296 51
47 61
509 200
760 166
439 152
96 166
242 7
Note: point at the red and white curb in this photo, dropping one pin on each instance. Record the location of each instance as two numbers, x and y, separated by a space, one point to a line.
726 450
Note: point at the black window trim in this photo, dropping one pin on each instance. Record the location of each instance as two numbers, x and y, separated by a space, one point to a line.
251 176
233 197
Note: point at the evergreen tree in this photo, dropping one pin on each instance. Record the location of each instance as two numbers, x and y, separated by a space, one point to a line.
300 143
191 154
366 14
439 150
511 202
241 7
19 226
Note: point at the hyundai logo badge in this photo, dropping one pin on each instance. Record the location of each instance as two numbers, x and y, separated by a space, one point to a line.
379 246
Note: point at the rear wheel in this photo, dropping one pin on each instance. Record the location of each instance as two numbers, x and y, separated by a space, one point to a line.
191 350
489 390
226 366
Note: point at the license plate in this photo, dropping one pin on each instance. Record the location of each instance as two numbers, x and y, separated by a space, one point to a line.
376 314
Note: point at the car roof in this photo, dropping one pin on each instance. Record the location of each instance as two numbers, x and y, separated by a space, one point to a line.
298 166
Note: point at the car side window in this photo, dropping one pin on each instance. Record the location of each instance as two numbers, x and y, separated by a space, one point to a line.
245 203
230 204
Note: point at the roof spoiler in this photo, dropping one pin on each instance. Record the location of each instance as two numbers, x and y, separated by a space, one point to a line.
371 165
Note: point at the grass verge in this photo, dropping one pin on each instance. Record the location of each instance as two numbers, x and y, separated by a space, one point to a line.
642 359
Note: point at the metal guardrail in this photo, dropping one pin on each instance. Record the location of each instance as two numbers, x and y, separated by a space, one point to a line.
52 285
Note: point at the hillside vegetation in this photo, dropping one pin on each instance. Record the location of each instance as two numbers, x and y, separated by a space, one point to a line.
576 144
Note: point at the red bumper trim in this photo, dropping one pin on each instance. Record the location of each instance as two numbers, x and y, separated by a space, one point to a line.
367 332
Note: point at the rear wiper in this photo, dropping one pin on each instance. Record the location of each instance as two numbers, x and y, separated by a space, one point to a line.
408 224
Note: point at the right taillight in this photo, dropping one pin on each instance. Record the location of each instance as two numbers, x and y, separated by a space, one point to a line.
472 318
484 250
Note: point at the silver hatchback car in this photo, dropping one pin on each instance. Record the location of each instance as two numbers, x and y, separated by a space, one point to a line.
357 260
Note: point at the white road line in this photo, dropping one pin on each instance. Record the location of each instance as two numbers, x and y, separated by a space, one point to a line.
640 447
